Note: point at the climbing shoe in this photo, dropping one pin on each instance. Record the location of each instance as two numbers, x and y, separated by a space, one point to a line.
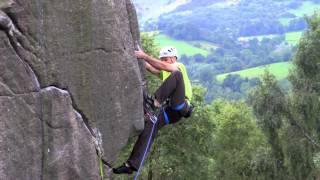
123 169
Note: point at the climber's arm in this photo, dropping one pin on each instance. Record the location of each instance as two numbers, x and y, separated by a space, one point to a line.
152 69
156 63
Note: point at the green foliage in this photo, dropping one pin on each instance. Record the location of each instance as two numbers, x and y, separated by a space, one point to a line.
305 78
237 140
150 47
305 103
245 18
269 104
291 122
149 44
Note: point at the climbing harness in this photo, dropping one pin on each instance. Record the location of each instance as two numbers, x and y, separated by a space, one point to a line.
165 115
176 108
154 120
179 107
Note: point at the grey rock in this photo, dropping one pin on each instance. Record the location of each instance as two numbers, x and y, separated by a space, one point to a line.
87 49
5 4
68 147
42 137
16 76
20 138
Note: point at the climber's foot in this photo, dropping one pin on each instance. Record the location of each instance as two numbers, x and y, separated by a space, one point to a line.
125 168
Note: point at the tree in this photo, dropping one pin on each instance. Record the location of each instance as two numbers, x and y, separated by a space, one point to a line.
232 81
199 58
291 122
148 44
269 104
150 47
305 105
237 140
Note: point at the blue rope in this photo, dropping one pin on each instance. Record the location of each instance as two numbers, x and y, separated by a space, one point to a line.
146 150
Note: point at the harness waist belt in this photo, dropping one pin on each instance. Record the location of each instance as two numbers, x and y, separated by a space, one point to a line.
179 107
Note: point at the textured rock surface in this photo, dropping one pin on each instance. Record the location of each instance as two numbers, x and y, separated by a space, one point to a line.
86 48
42 137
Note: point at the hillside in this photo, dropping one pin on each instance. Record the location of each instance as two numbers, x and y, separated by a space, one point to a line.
148 10
187 48
194 4
219 37
244 18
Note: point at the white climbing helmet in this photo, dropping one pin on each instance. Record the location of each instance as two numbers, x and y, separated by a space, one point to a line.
168 51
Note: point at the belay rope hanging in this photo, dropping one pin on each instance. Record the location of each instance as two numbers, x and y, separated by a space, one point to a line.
97 139
154 120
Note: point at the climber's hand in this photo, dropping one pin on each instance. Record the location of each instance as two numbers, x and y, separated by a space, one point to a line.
140 54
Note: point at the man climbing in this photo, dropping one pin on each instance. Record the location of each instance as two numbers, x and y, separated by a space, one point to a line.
176 88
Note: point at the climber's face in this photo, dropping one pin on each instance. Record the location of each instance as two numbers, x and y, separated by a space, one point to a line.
169 60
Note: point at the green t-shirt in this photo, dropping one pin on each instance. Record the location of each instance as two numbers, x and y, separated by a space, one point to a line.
188 89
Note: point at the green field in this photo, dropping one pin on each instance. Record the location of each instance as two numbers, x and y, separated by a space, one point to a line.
183 47
280 70
293 37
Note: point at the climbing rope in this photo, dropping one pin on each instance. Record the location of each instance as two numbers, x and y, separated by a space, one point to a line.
154 120
97 139
101 169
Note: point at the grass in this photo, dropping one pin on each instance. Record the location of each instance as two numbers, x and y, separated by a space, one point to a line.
183 46
293 37
280 70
